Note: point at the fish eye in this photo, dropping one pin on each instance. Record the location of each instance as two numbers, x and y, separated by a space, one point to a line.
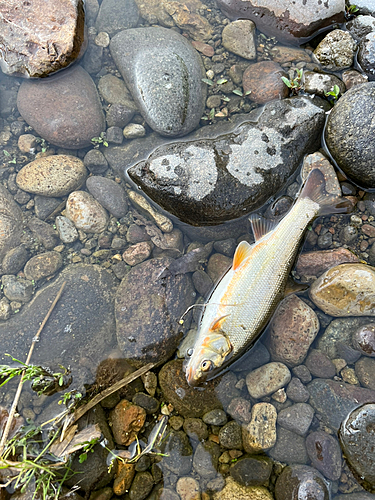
207 365
189 352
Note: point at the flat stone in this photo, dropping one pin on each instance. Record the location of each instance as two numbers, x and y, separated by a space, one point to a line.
85 212
64 109
56 175
290 447
297 418
43 265
345 290
17 289
109 194
321 83
10 222
135 254
293 23
251 471
147 317
267 379
40 37
187 180
259 434
301 481
319 364
114 91
186 15
316 263
167 88
44 233
263 82
233 490
325 454
239 37
206 459
117 15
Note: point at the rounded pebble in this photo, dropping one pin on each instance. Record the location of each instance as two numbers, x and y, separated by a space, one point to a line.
85 212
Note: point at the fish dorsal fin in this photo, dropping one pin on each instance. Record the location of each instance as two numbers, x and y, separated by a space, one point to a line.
216 324
261 226
242 252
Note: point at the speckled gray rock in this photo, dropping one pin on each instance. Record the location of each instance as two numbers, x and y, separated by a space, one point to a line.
297 418
267 379
294 23
238 37
336 50
366 55
114 91
350 131
227 170
147 317
365 371
325 454
109 194
206 459
357 439
66 229
164 74
320 83
10 222
361 26
17 289
117 15
85 212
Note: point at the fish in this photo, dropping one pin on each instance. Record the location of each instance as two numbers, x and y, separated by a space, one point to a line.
244 300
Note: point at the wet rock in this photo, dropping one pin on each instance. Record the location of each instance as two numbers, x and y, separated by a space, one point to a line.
66 229
124 477
165 99
114 135
357 438
301 481
127 420
260 433
296 391
114 91
230 436
186 15
293 329
363 339
44 233
45 206
14 260
238 37
320 83
26 143
185 399
351 77
188 488
141 486
95 161
65 110
336 50
217 266
147 317
55 175
320 365
366 53
361 26
345 290
316 263
42 37
119 115
365 371
346 140
133 131
267 379
206 459
10 222
215 417
17 289
256 357
233 490
294 24
263 82
325 454
195 429
82 324
150 404
85 212
174 178
297 418
251 471
334 400
117 15
109 194
42 265
290 447
179 453
239 410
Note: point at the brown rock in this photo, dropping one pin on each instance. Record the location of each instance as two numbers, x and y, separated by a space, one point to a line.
43 265
365 371
263 81
39 37
65 110
10 222
217 266
204 48
188 19
318 160
124 478
281 54
316 263
85 212
127 420
293 328
368 230
137 253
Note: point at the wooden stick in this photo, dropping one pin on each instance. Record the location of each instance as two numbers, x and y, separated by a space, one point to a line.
20 385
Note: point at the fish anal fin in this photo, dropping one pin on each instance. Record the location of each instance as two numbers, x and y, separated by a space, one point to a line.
261 226
293 287
242 253
217 323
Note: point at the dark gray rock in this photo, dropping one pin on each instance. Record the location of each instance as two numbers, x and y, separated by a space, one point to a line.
179 453
325 454
195 429
14 260
150 404
82 325
44 206
350 131
320 365
297 418
92 61
206 459
164 74
215 417
294 23
95 161
119 115
289 447
230 169
296 391
109 194
334 400
141 486
366 55
117 15
357 438
256 357
251 471
230 436
301 481
17 289
365 371
147 316
10 222
44 233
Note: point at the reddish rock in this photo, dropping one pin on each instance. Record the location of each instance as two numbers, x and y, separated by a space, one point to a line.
204 48
127 420
263 80
135 254
316 263
39 37
368 230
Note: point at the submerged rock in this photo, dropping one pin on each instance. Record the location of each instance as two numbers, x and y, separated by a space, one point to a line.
117 15
65 110
301 481
164 74
40 37
10 222
295 22
345 290
231 169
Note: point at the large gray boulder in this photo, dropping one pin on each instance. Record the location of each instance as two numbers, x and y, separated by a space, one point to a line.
224 172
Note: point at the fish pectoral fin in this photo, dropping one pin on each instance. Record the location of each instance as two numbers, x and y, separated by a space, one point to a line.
217 323
242 252
261 226
293 287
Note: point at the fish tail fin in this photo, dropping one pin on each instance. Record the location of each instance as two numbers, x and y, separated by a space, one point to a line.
315 190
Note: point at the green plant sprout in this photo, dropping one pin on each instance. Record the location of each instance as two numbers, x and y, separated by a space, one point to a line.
351 9
333 94
101 139
88 447
8 155
296 83
240 93
43 144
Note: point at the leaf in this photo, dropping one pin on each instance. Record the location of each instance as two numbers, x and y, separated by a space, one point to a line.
212 114
248 92
238 92
82 457
208 81
286 81
336 90
221 81
225 98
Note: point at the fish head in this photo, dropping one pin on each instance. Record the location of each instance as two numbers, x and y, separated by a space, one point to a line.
204 361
